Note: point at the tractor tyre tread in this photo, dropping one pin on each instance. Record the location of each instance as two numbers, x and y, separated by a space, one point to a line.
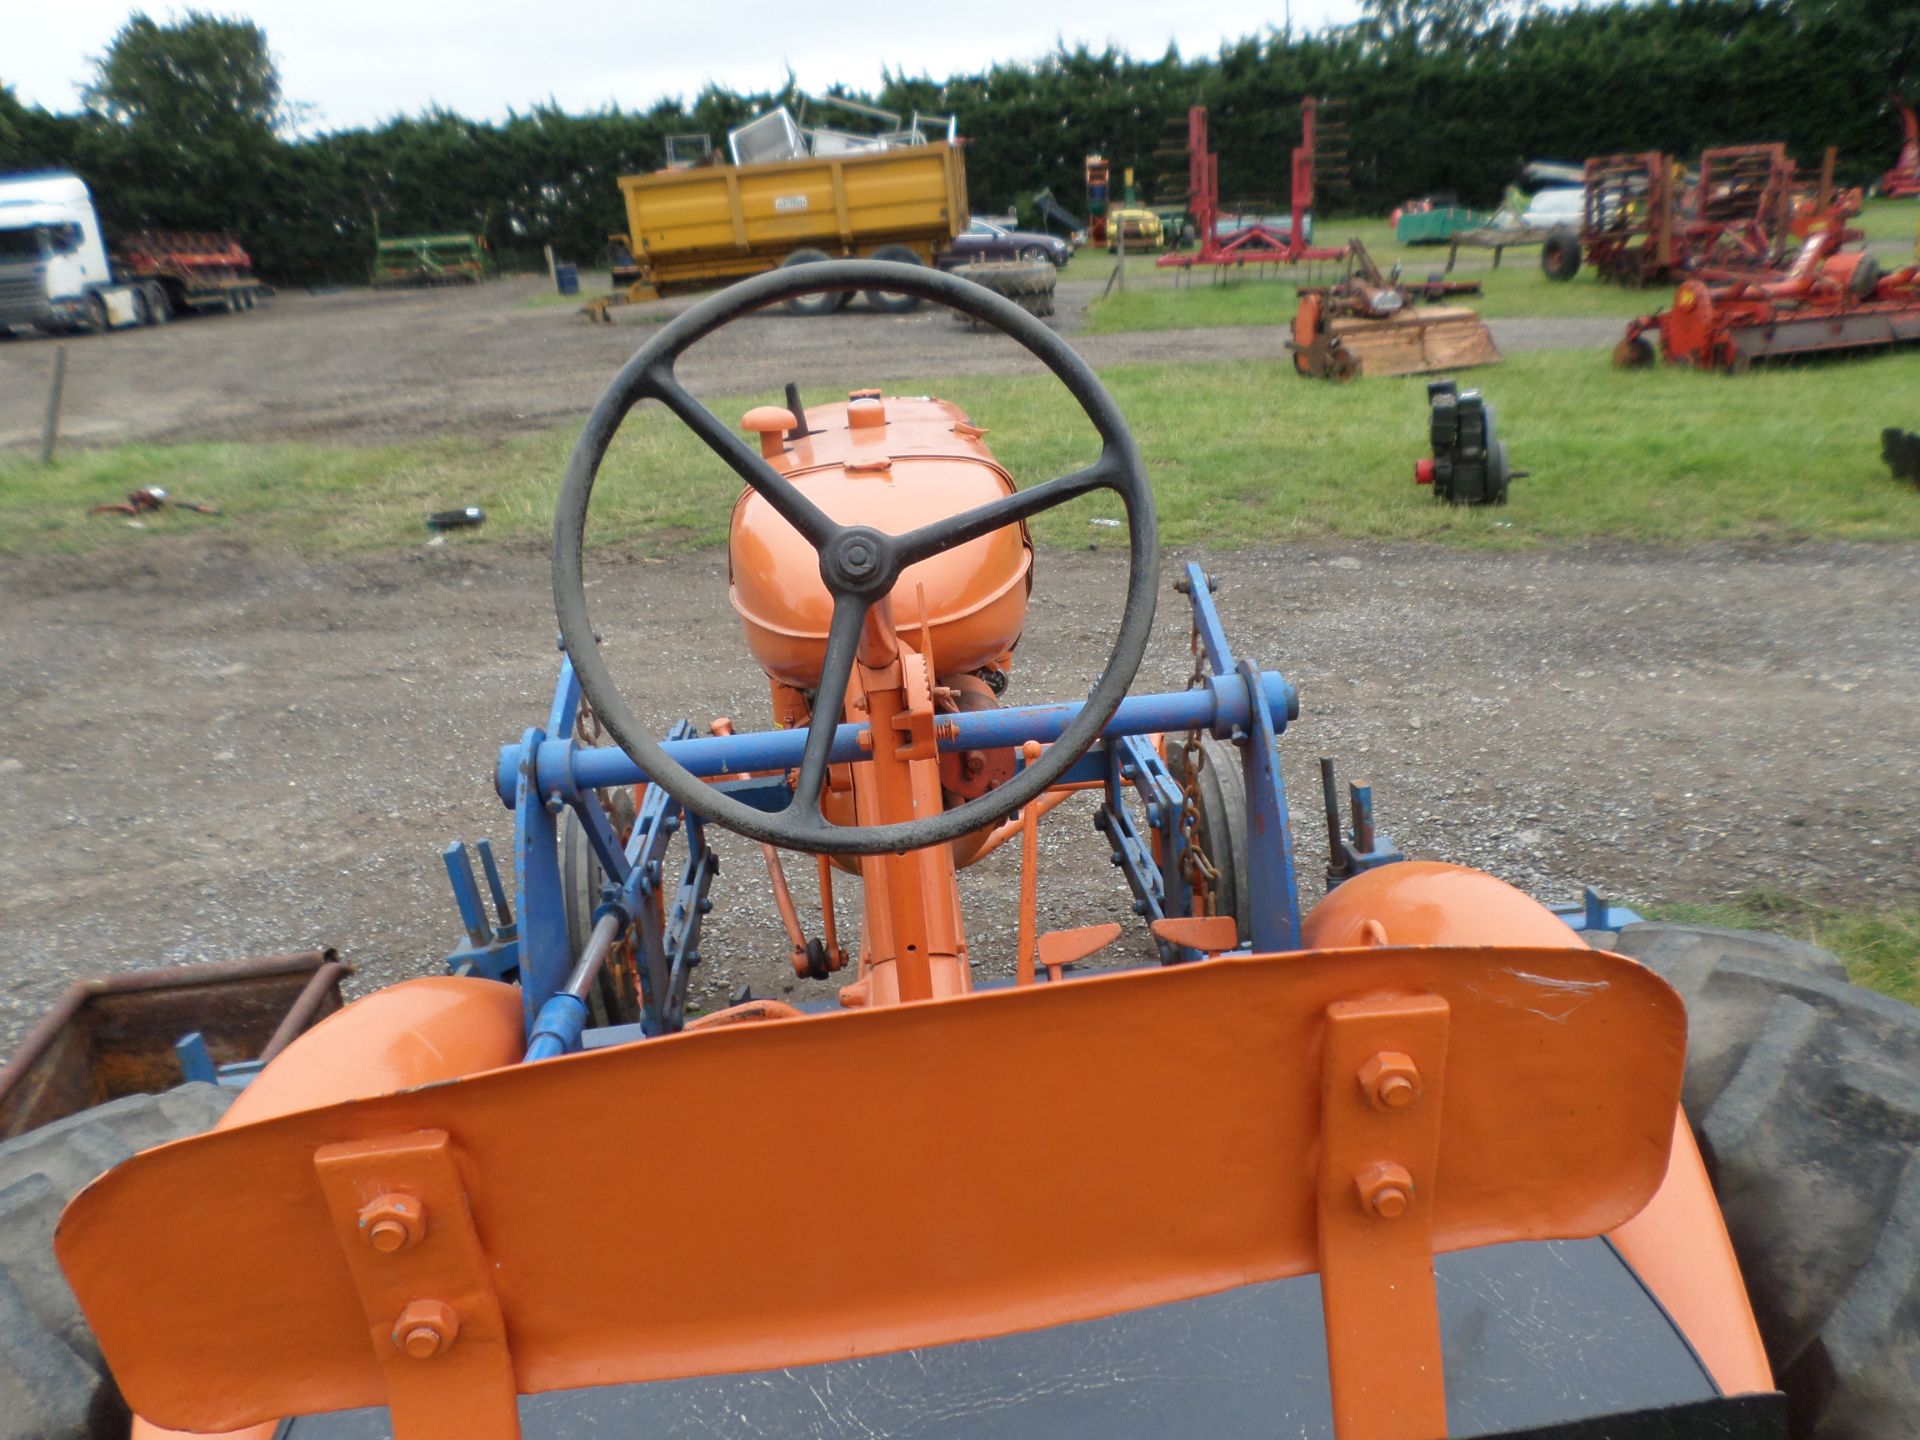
53 1383
1802 1090
1012 279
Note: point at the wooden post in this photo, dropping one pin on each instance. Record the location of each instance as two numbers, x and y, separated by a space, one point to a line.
50 431
1120 256
553 275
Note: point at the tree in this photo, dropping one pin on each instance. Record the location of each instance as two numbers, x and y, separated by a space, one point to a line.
202 75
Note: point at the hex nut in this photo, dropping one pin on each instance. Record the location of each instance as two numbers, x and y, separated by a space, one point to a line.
392 1222
426 1328
1391 1080
1386 1190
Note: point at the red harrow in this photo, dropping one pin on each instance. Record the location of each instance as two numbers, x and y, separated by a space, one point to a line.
1256 243
1827 301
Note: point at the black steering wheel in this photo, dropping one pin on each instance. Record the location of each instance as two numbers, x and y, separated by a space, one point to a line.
858 563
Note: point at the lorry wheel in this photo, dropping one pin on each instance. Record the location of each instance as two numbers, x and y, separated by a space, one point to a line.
892 302
1560 255
97 321
824 302
53 1383
1804 1092
156 302
1030 286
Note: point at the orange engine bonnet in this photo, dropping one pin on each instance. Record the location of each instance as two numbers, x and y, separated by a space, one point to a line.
895 464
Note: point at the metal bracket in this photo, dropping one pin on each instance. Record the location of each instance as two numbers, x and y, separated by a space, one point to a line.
1380 1107
400 1213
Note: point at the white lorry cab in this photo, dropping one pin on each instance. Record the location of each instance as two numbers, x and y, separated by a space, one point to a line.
54 271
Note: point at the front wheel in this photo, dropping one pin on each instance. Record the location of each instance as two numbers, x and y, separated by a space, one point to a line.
893 302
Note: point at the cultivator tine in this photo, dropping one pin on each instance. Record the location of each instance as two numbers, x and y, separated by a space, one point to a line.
501 908
466 893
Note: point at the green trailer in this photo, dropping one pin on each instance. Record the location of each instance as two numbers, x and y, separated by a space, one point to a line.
1434 225
430 260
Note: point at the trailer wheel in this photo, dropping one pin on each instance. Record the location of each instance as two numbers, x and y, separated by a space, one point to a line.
53 1383
823 303
892 302
1560 255
1804 1092
1633 353
156 302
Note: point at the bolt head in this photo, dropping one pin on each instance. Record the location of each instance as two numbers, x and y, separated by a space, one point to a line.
426 1328
392 1222
1390 1080
1386 1190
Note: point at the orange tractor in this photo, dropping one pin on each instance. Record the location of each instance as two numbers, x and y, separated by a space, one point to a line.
1408 1163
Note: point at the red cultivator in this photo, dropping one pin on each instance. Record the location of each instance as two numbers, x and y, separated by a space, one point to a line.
1827 301
1255 242
1903 180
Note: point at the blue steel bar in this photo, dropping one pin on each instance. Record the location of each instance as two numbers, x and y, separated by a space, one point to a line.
1220 708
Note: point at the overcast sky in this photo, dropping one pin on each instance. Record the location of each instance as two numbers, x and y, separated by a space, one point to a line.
361 61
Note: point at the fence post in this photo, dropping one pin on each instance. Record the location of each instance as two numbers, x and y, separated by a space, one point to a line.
50 431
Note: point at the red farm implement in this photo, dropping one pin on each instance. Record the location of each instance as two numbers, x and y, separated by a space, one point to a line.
1226 239
1827 301
1902 182
196 271
1644 220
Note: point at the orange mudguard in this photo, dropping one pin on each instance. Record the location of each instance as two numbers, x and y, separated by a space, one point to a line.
1201 1127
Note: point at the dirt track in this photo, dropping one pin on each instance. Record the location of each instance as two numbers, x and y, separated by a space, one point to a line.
361 367
212 753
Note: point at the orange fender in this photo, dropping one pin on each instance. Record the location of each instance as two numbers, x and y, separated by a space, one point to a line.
1678 1244
413 1033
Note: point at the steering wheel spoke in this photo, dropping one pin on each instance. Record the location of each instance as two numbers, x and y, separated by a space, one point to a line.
779 492
957 530
829 705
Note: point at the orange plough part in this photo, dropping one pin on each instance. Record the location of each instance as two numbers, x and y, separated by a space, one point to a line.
1547 1080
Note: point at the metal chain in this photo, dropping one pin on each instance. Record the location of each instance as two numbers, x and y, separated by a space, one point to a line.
1196 868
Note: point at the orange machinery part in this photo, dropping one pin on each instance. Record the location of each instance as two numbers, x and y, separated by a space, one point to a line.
894 464
1119 1096
1678 1245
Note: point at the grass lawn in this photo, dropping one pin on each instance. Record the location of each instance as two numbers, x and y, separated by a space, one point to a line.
1240 453
1880 946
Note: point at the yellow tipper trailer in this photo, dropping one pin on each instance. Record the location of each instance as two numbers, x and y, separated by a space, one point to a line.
707 225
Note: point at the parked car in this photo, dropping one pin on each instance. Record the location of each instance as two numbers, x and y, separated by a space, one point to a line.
984 240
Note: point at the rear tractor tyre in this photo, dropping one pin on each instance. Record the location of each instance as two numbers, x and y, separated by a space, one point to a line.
892 302
53 1383
1804 1092
97 321
1028 285
1560 255
824 302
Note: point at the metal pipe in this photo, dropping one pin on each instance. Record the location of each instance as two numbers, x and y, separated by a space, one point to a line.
1219 707
557 1028
299 1016
606 931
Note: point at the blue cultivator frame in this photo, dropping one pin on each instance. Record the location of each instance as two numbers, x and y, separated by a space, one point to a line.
660 890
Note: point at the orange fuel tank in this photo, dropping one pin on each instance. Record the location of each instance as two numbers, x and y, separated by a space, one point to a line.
894 463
